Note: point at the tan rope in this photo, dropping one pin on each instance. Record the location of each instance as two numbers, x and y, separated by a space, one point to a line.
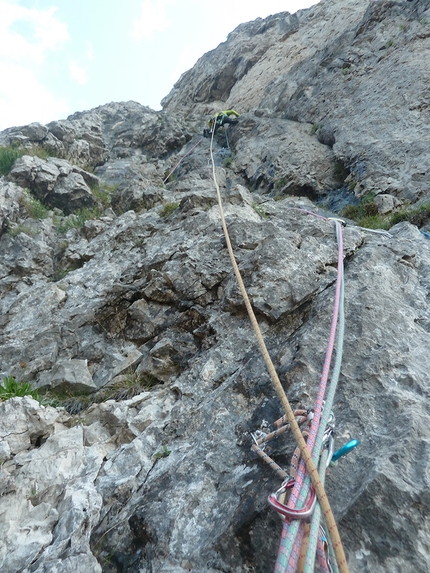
306 455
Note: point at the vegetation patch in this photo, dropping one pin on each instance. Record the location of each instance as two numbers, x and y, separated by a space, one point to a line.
418 216
127 386
228 161
260 210
8 156
366 214
10 153
168 208
169 176
278 184
340 171
366 207
26 229
103 194
35 208
163 453
78 219
10 388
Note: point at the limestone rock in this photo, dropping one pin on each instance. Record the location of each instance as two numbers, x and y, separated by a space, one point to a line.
139 309
67 375
291 161
24 422
136 196
10 195
35 173
386 203
26 255
71 193
331 77
54 181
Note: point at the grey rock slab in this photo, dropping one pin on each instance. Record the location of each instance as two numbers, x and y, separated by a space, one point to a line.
68 375
23 421
70 194
10 195
35 173
291 161
27 533
25 254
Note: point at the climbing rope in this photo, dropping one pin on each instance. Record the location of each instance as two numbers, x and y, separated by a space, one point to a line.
295 428
181 160
291 541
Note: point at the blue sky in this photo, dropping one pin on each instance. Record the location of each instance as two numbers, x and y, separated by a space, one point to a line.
62 56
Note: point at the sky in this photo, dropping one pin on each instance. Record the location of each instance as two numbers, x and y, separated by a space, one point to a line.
62 56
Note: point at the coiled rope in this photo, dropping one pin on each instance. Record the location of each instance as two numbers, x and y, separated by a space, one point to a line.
304 451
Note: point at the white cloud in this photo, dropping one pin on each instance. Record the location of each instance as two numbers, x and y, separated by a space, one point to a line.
154 17
29 34
78 73
27 38
24 100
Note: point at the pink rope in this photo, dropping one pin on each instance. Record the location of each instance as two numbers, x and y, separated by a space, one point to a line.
296 540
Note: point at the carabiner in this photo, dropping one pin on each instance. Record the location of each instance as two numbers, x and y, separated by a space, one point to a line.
289 512
344 450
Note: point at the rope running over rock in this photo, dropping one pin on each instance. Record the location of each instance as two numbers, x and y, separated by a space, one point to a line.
305 453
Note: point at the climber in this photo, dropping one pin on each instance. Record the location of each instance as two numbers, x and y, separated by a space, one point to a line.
219 119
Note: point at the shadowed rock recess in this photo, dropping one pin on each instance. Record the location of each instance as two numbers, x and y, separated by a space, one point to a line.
121 313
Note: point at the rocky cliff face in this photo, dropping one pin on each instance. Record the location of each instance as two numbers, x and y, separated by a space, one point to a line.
120 307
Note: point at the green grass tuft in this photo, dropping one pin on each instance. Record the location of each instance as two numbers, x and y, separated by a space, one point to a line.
168 208
78 219
260 210
10 388
35 208
8 156
366 214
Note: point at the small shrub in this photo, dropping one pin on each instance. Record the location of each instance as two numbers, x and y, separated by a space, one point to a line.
260 210
8 156
374 222
280 183
59 274
35 208
38 150
72 403
10 388
77 220
366 208
352 184
15 231
103 193
169 176
366 214
416 215
130 384
340 171
168 208
163 453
